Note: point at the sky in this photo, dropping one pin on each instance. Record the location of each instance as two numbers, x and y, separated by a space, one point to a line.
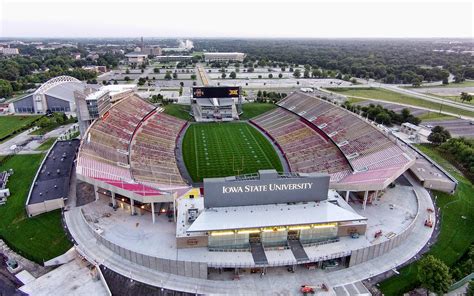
226 18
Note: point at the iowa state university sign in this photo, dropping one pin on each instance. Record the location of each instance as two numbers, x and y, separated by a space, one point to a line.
221 193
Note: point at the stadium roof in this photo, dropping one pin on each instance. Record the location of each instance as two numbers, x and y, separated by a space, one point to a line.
52 181
228 218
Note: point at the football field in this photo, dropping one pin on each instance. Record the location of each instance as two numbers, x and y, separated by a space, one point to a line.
226 149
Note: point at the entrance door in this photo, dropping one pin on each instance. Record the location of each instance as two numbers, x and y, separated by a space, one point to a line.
293 234
254 237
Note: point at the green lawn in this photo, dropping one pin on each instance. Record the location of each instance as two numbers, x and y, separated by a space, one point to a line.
394 97
178 110
434 116
353 100
226 149
457 232
466 83
252 110
46 144
456 99
9 124
40 238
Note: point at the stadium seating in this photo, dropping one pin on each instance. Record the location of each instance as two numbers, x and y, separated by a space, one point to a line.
118 151
152 150
305 149
328 138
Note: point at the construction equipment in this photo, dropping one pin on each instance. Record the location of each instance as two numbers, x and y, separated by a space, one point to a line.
307 289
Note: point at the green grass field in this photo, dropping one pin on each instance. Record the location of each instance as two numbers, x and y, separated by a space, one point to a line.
226 149
178 110
394 97
252 110
8 124
39 238
457 233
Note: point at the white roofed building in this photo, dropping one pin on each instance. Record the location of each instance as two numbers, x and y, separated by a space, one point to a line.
224 56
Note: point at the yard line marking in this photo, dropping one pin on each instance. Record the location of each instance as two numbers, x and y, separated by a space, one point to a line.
258 144
196 153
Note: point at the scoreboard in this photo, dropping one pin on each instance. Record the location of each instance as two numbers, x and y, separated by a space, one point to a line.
216 92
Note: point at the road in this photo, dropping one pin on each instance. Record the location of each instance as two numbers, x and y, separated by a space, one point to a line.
404 91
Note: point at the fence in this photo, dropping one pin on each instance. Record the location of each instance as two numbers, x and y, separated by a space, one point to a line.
183 268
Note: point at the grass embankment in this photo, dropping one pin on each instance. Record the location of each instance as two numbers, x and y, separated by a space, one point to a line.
394 97
457 231
226 149
9 124
178 110
40 238
252 110
428 116
46 144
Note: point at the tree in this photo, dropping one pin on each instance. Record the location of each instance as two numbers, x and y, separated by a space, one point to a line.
270 75
445 81
175 75
383 118
233 75
297 73
193 77
434 275
416 82
156 70
306 73
223 75
168 75
127 71
439 135
126 78
465 97
141 81
280 75
5 88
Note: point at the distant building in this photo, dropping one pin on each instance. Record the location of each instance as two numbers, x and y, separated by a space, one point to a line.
173 58
136 58
76 56
93 56
224 56
153 50
98 69
9 51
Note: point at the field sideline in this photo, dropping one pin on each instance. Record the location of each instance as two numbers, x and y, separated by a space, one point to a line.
226 149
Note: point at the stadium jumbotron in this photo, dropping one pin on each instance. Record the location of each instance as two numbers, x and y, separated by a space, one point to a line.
303 185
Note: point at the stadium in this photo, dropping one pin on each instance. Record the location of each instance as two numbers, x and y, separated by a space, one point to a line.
193 206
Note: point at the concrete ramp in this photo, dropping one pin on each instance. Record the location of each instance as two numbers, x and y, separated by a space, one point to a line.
298 250
258 253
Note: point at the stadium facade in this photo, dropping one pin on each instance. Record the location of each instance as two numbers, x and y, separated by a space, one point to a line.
245 212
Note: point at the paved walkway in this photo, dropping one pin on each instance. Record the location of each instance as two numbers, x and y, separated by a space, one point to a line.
276 281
